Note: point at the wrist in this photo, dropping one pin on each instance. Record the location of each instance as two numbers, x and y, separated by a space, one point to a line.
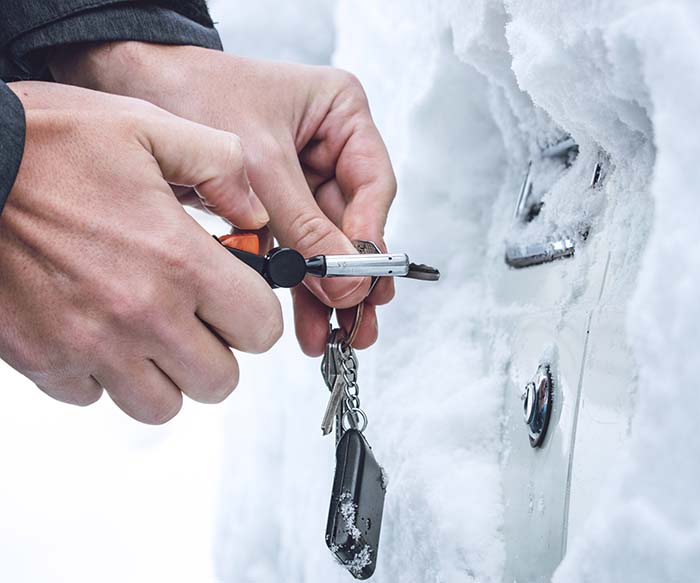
87 65
153 72
112 67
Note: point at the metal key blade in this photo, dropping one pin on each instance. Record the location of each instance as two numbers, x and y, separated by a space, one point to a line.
329 368
423 272
334 403
369 265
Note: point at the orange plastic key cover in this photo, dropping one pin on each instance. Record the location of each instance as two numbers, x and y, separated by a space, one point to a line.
249 242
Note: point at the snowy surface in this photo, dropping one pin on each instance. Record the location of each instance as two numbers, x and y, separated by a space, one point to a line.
465 92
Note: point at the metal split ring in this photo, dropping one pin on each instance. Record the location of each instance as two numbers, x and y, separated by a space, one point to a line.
352 415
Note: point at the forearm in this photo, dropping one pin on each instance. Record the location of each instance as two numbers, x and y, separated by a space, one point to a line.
181 79
132 68
32 32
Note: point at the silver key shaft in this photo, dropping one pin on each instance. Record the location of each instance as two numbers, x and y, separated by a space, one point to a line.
334 403
369 265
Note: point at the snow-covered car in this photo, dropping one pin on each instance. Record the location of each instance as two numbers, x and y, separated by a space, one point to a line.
535 411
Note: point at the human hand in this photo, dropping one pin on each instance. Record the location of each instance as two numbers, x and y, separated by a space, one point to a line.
105 281
314 156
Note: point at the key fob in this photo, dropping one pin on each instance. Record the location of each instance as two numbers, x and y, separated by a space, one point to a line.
357 503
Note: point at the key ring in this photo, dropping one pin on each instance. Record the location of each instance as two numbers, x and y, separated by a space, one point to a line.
356 419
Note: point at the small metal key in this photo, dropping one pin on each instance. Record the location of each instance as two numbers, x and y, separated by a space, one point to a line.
334 404
331 369
329 363
344 401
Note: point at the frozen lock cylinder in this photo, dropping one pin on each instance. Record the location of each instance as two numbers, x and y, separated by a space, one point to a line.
537 405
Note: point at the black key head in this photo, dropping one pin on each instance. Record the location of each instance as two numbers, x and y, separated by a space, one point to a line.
285 267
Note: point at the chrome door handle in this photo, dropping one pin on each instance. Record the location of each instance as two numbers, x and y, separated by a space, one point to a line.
562 242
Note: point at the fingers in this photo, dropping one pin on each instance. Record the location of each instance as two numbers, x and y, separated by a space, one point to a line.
331 201
369 330
298 222
211 161
363 171
311 319
142 391
235 301
177 340
353 156
80 391
198 362
333 204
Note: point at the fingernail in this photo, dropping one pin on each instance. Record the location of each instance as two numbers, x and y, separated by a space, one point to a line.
256 205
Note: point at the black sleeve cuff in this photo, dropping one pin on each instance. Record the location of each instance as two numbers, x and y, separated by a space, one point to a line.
107 23
11 140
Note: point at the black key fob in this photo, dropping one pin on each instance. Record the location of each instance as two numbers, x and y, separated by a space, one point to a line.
357 503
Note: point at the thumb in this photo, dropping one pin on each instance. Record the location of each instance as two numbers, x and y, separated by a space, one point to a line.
298 222
211 161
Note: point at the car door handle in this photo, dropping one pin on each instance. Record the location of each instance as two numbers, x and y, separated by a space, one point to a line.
521 251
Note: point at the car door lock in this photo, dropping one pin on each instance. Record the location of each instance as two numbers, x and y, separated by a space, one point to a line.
537 404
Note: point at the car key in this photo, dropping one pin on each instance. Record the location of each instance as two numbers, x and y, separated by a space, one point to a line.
357 505
285 267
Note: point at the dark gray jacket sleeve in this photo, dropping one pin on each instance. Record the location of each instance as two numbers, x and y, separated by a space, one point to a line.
29 29
11 140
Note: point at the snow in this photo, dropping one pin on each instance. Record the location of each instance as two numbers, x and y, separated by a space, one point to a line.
348 510
465 93
360 561
90 495
647 528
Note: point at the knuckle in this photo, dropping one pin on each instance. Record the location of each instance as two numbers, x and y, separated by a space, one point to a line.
269 332
85 398
311 232
234 152
351 86
29 359
80 335
221 387
270 152
140 109
175 257
135 114
225 206
159 411
170 253
235 146
392 185
346 78
352 81
134 306
70 391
